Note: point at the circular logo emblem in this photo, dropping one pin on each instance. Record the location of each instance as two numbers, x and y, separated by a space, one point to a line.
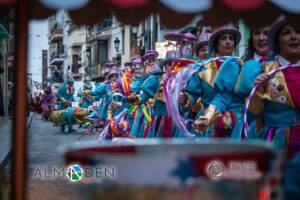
215 169
282 99
75 173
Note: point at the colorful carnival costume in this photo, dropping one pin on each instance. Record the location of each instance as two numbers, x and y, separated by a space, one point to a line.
219 78
118 116
47 103
202 46
192 107
37 103
278 100
103 91
86 99
65 95
143 119
94 121
278 105
201 86
122 109
163 126
160 124
69 116
108 107
242 89
64 100
187 46
226 103
130 83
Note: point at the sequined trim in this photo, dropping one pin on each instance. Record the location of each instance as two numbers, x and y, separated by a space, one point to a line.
277 90
209 73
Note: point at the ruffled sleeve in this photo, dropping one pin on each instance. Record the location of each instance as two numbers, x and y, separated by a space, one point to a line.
250 70
100 90
194 87
61 90
225 83
149 88
135 85
62 94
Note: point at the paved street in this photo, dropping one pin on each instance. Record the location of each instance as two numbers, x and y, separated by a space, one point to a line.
44 143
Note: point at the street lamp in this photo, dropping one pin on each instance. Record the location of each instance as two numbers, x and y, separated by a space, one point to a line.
117 44
134 30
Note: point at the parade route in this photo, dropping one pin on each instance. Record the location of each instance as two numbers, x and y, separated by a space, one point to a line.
45 142
150 100
44 151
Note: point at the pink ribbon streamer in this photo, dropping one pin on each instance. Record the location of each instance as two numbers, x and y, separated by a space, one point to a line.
174 85
249 98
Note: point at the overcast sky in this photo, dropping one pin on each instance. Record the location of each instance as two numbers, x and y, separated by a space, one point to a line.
37 41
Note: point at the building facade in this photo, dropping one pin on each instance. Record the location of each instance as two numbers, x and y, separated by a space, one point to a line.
44 67
107 41
76 50
6 63
56 50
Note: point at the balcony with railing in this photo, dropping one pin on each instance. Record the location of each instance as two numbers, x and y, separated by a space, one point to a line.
57 55
56 58
98 29
104 25
56 34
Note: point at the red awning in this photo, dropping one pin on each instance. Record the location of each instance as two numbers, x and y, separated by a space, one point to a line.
173 13
7 1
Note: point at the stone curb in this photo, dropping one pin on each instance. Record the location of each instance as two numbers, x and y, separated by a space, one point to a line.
6 156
